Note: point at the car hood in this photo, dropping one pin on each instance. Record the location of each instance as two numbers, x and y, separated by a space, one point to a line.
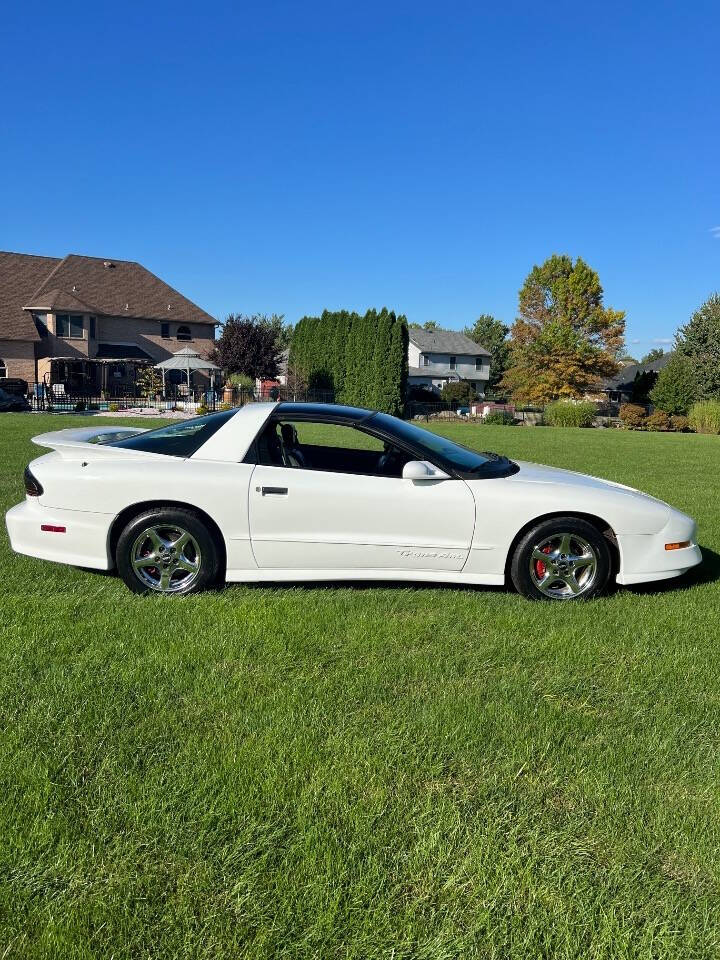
628 510
538 473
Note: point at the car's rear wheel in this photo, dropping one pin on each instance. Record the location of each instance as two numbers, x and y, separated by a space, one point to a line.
167 550
561 558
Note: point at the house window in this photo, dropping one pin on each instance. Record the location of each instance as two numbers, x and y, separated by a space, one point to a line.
183 333
478 363
165 331
426 360
3 370
453 363
69 326
91 328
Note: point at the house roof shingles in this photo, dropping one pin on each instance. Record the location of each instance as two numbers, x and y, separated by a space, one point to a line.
626 376
114 288
446 341
20 275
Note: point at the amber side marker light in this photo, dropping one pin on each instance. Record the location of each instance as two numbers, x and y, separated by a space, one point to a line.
677 546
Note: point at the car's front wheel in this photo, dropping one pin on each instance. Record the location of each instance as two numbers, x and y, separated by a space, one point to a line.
167 550
561 558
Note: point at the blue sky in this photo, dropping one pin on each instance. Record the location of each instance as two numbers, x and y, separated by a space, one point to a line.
285 157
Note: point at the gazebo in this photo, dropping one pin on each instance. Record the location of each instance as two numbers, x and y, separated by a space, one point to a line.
188 360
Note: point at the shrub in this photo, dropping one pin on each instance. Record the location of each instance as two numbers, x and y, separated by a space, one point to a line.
201 410
679 422
704 416
675 390
461 393
420 394
632 416
564 413
241 381
500 418
225 407
658 420
113 407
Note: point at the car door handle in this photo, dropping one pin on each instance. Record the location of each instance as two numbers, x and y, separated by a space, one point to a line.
273 491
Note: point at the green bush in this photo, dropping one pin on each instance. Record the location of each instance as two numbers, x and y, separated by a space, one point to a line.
704 416
632 416
564 413
461 393
499 418
241 381
201 410
113 407
679 422
658 420
675 390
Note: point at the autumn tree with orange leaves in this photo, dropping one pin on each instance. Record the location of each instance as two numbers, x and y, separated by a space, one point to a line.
564 342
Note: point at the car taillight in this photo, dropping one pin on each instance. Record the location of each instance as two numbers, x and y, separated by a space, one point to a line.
33 487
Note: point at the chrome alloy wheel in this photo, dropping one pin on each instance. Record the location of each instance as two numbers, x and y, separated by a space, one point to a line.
563 566
166 559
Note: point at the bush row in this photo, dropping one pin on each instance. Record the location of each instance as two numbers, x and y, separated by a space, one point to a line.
704 417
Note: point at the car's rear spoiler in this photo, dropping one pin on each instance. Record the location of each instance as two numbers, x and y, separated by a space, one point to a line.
78 443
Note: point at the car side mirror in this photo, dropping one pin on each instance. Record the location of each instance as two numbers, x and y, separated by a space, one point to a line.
423 470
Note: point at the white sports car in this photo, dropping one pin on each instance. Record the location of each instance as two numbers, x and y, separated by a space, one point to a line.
306 491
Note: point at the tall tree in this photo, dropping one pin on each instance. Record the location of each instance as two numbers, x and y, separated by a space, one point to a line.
362 358
675 390
492 334
699 341
428 325
564 340
276 324
653 354
247 345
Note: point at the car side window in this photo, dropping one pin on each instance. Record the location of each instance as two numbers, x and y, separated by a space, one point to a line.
331 447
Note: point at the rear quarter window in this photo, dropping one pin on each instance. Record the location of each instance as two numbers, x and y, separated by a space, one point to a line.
181 439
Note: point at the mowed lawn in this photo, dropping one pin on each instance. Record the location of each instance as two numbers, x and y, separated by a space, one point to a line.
365 772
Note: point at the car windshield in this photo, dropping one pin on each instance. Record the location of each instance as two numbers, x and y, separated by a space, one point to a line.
444 452
179 439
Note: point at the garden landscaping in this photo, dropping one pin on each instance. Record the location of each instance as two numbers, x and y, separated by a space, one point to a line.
365 771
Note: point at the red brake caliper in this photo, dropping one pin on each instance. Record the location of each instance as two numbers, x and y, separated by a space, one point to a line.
540 567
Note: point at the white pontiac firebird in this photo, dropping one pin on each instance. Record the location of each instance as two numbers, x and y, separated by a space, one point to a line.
303 491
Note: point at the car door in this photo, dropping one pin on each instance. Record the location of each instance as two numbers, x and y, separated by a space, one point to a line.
314 516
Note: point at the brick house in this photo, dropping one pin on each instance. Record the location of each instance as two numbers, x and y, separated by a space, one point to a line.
89 323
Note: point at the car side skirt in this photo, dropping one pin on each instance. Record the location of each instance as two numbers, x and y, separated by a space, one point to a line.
387 574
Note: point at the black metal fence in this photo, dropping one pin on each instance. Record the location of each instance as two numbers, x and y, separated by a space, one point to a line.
192 401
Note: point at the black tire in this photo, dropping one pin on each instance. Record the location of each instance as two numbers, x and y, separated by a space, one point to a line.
568 573
188 558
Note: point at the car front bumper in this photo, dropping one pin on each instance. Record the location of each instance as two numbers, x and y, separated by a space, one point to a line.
643 557
83 542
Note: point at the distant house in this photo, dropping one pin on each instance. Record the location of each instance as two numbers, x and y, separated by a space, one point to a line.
437 357
264 386
89 323
619 389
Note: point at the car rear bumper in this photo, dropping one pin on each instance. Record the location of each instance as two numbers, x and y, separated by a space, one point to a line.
83 542
643 557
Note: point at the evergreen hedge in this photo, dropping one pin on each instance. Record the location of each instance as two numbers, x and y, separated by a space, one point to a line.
363 359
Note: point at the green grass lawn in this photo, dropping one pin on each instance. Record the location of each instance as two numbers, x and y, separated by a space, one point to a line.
381 772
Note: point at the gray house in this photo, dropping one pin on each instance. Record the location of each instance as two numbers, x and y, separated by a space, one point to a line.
619 389
437 357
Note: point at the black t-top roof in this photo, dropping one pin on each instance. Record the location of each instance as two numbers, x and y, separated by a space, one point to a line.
322 411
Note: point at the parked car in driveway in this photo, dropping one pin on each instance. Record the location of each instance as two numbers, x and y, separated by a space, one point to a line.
10 403
303 491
